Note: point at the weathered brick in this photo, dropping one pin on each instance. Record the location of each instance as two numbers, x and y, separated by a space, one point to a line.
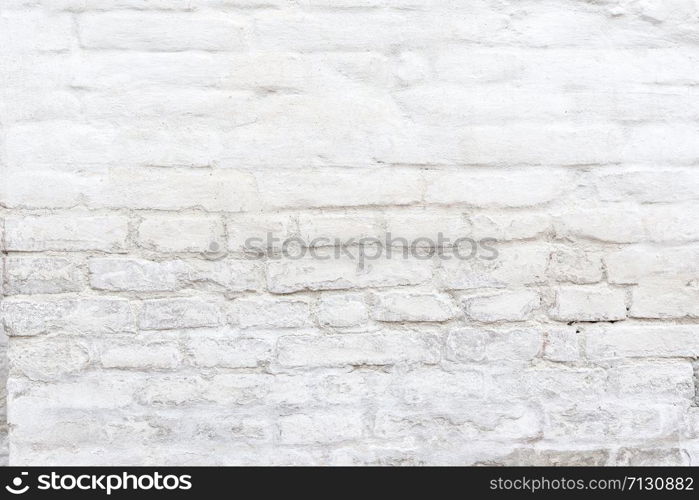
664 299
641 341
470 344
320 428
610 223
133 274
141 275
648 185
400 306
589 303
32 275
287 276
503 306
178 188
139 30
181 234
636 263
343 310
496 188
575 265
165 314
70 233
562 344
656 380
47 359
512 265
340 187
222 351
152 356
90 315
272 312
484 421
367 349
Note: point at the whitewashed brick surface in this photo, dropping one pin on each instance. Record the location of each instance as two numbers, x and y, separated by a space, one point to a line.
142 143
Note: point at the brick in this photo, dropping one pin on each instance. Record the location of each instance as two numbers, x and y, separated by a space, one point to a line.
90 391
299 142
169 389
180 234
575 265
415 224
320 428
45 360
610 224
39 71
327 228
671 223
153 356
166 314
175 189
138 30
648 186
340 188
399 307
238 388
591 303
496 188
50 186
140 275
342 30
470 344
343 310
157 188
248 232
439 391
570 65
69 233
557 384
651 457
596 422
261 70
562 344
630 224
264 312
133 275
480 420
513 265
665 300
52 142
504 306
548 458
367 349
440 103
35 30
633 264
506 227
90 315
656 380
287 276
211 106
38 275
229 353
641 341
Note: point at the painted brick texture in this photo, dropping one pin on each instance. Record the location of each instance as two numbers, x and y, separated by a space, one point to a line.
142 143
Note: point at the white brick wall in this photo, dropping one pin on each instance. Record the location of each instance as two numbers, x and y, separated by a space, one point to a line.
143 142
